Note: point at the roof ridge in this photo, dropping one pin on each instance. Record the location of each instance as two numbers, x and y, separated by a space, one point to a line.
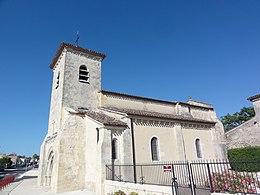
254 97
153 99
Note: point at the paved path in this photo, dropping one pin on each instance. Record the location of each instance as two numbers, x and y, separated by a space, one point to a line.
27 185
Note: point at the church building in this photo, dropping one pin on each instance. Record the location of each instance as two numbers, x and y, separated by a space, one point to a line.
90 127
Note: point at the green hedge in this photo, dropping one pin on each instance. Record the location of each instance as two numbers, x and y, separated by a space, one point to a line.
245 159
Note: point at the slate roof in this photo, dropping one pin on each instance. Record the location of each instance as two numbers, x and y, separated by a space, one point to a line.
207 106
253 98
77 48
143 113
105 119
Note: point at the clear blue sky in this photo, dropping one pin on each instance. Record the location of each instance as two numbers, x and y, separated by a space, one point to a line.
170 49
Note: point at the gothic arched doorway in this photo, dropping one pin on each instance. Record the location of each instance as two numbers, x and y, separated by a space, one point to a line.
49 168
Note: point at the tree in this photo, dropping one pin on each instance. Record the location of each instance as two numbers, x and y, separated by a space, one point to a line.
5 161
232 121
35 157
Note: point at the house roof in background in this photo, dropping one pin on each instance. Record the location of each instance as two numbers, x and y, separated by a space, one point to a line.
254 98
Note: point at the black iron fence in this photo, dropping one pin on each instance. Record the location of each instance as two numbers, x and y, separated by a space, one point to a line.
201 177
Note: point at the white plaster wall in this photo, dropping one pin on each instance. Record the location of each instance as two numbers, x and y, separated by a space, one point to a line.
198 113
167 108
91 149
206 140
203 114
122 102
166 143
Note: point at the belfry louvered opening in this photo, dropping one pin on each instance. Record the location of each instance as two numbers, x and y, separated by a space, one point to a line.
83 74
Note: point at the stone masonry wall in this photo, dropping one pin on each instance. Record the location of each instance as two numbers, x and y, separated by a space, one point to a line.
77 94
247 134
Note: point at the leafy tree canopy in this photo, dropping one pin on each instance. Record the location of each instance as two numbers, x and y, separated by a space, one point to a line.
5 161
232 121
35 157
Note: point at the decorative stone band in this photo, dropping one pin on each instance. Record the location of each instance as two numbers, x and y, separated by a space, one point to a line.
156 123
196 126
171 124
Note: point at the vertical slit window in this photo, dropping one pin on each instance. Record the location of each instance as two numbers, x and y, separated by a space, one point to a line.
114 149
198 148
83 74
58 80
97 134
154 148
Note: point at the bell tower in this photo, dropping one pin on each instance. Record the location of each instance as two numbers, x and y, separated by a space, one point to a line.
76 81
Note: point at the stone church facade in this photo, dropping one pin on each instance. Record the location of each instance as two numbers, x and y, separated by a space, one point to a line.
90 127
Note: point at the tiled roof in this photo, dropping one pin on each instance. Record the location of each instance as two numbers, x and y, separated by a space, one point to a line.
105 119
143 113
77 48
154 100
253 98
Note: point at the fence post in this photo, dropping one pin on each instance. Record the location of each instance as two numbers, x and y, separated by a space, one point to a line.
113 169
210 179
142 177
191 179
174 183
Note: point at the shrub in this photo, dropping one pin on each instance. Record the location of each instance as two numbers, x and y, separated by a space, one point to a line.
249 155
133 193
119 192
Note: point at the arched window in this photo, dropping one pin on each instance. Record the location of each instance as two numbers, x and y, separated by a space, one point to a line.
114 149
83 74
198 148
154 148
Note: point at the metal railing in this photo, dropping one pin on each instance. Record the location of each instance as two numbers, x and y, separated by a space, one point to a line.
6 181
155 173
211 176
224 176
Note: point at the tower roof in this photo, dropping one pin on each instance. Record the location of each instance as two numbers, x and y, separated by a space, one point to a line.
76 48
254 98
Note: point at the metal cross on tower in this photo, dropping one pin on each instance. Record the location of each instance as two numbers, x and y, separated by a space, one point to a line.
77 39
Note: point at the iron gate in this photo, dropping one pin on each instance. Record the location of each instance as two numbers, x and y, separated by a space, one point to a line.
182 181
